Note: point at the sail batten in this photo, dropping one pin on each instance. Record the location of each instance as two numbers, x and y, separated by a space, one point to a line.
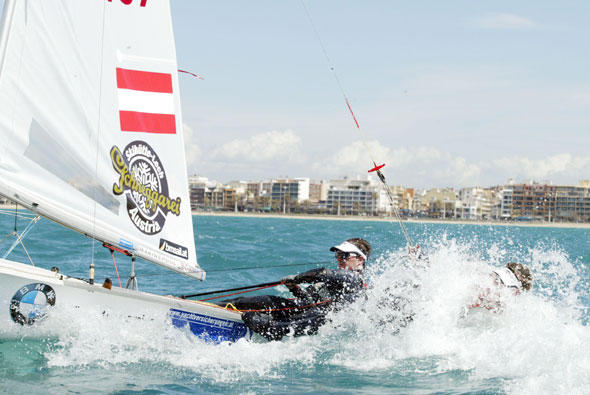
91 127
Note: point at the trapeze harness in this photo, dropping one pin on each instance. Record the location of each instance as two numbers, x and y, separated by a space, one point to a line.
274 317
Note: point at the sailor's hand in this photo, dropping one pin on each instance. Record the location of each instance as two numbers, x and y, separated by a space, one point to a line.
289 279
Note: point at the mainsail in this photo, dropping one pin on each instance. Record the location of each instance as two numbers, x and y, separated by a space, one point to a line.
90 123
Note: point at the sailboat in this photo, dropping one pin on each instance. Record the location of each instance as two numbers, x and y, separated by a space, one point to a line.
91 138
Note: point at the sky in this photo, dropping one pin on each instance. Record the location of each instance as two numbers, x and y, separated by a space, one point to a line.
454 93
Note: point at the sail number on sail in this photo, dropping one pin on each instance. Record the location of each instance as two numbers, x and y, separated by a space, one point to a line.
142 3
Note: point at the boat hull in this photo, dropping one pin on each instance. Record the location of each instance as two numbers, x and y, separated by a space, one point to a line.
32 295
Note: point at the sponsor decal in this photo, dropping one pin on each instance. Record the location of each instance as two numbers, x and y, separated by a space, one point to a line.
126 244
146 101
173 248
143 181
209 328
202 319
31 302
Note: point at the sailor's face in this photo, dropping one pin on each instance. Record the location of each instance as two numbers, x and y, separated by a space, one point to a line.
349 261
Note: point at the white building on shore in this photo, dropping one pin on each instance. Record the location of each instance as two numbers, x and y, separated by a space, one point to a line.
356 196
474 204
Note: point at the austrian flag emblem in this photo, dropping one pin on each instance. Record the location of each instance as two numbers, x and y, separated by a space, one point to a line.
146 101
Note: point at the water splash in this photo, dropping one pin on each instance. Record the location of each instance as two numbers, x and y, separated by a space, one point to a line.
538 341
412 328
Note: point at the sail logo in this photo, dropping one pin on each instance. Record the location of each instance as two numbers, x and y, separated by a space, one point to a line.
143 181
146 101
31 303
173 248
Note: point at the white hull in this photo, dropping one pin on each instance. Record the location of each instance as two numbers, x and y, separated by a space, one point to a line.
30 294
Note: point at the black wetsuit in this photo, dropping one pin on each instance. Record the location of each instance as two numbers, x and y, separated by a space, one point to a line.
328 290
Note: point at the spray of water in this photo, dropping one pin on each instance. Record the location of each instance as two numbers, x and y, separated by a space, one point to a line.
414 321
535 341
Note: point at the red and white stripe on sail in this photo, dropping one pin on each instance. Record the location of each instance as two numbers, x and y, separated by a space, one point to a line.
146 101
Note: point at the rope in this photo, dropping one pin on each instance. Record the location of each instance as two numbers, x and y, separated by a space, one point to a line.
284 308
267 267
242 292
394 208
333 69
193 74
116 270
358 127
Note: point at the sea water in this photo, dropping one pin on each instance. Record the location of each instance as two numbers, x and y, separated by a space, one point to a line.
538 343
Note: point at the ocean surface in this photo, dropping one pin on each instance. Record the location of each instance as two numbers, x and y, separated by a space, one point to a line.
538 343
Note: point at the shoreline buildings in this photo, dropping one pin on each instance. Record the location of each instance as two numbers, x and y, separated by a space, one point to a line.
530 201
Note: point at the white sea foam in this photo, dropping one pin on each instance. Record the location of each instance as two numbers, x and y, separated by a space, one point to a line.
537 343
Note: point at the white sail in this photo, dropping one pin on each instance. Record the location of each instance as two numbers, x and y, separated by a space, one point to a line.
90 123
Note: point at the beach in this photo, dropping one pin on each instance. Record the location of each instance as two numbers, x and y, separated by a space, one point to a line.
387 219
571 225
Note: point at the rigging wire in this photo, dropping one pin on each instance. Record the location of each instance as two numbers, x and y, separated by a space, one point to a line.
20 215
377 168
5 237
97 145
20 237
267 267
15 215
241 292
232 269
27 252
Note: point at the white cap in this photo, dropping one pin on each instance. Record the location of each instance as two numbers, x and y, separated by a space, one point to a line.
349 247
508 278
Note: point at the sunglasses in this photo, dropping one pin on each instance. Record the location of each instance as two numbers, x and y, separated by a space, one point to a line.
345 255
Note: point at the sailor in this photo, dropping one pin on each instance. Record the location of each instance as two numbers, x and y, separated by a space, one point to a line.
327 290
515 277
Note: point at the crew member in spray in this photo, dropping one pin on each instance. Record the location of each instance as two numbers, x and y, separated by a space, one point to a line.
503 282
514 277
327 289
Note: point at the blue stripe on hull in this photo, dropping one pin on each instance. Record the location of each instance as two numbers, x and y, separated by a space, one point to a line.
209 328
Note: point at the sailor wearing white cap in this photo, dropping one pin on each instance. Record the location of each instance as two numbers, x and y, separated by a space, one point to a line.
507 278
349 256
514 276
341 285
325 290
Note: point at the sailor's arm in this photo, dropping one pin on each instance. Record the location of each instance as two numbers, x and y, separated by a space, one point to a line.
292 281
296 290
340 279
